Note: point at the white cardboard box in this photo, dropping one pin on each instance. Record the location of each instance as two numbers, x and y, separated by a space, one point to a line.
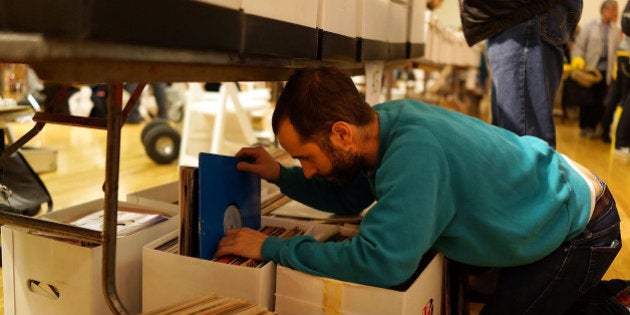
417 21
33 265
397 24
301 12
337 30
164 196
338 16
372 19
397 29
169 278
300 293
230 4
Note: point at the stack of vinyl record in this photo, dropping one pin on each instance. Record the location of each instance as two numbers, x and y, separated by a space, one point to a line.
269 230
212 304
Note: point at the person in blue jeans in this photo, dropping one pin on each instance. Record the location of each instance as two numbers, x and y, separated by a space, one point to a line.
479 194
159 92
526 41
100 93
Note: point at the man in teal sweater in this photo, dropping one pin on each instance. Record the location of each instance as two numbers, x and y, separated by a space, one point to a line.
479 194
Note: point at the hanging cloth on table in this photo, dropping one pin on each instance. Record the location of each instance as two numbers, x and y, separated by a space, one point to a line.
21 189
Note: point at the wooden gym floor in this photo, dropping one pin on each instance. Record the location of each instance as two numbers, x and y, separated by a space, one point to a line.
81 170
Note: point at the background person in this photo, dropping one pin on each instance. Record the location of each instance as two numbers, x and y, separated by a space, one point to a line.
622 134
595 46
526 43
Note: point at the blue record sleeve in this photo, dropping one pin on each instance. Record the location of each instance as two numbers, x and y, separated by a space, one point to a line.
228 198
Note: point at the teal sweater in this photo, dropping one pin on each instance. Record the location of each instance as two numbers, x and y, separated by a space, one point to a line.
479 194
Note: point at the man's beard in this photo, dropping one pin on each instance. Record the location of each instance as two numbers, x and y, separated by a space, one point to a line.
345 165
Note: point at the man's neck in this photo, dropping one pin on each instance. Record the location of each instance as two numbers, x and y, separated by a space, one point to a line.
370 142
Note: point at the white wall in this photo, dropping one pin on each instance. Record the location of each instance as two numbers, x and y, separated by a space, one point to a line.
448 12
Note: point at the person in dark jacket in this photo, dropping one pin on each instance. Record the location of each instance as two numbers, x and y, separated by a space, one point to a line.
526 42
622 135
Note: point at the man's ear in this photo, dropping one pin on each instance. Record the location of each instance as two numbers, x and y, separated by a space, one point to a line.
341 134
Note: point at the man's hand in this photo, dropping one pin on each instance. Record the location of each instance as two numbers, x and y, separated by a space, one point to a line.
259 162
243 242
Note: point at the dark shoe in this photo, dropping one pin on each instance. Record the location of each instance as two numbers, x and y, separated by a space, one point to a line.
623 298
606 138
588 133
622 151
602 300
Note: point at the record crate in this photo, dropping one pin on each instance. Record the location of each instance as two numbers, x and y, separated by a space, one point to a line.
168 277
304 294
43 274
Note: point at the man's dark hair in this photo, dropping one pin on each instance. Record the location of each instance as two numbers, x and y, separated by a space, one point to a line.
315 98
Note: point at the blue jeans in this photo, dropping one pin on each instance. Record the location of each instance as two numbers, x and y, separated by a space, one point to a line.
526 64
564 281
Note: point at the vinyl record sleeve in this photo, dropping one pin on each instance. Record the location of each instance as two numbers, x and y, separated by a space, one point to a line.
189 211
225 195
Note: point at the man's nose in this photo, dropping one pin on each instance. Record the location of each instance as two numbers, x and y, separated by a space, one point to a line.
309 172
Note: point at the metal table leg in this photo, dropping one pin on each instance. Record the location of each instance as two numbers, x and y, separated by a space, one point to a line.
114 124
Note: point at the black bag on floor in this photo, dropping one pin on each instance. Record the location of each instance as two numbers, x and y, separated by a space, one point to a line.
577 87
21 189
576 95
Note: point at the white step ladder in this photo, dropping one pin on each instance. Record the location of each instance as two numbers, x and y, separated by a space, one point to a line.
218 122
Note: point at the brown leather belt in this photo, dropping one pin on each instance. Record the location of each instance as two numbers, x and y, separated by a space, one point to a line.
602 203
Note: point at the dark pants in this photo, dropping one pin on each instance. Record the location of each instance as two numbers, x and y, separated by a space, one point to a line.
623 127
567 281
160 98
591 114
612 100
618 96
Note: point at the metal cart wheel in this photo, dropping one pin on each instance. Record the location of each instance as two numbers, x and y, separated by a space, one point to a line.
161 143
150 125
